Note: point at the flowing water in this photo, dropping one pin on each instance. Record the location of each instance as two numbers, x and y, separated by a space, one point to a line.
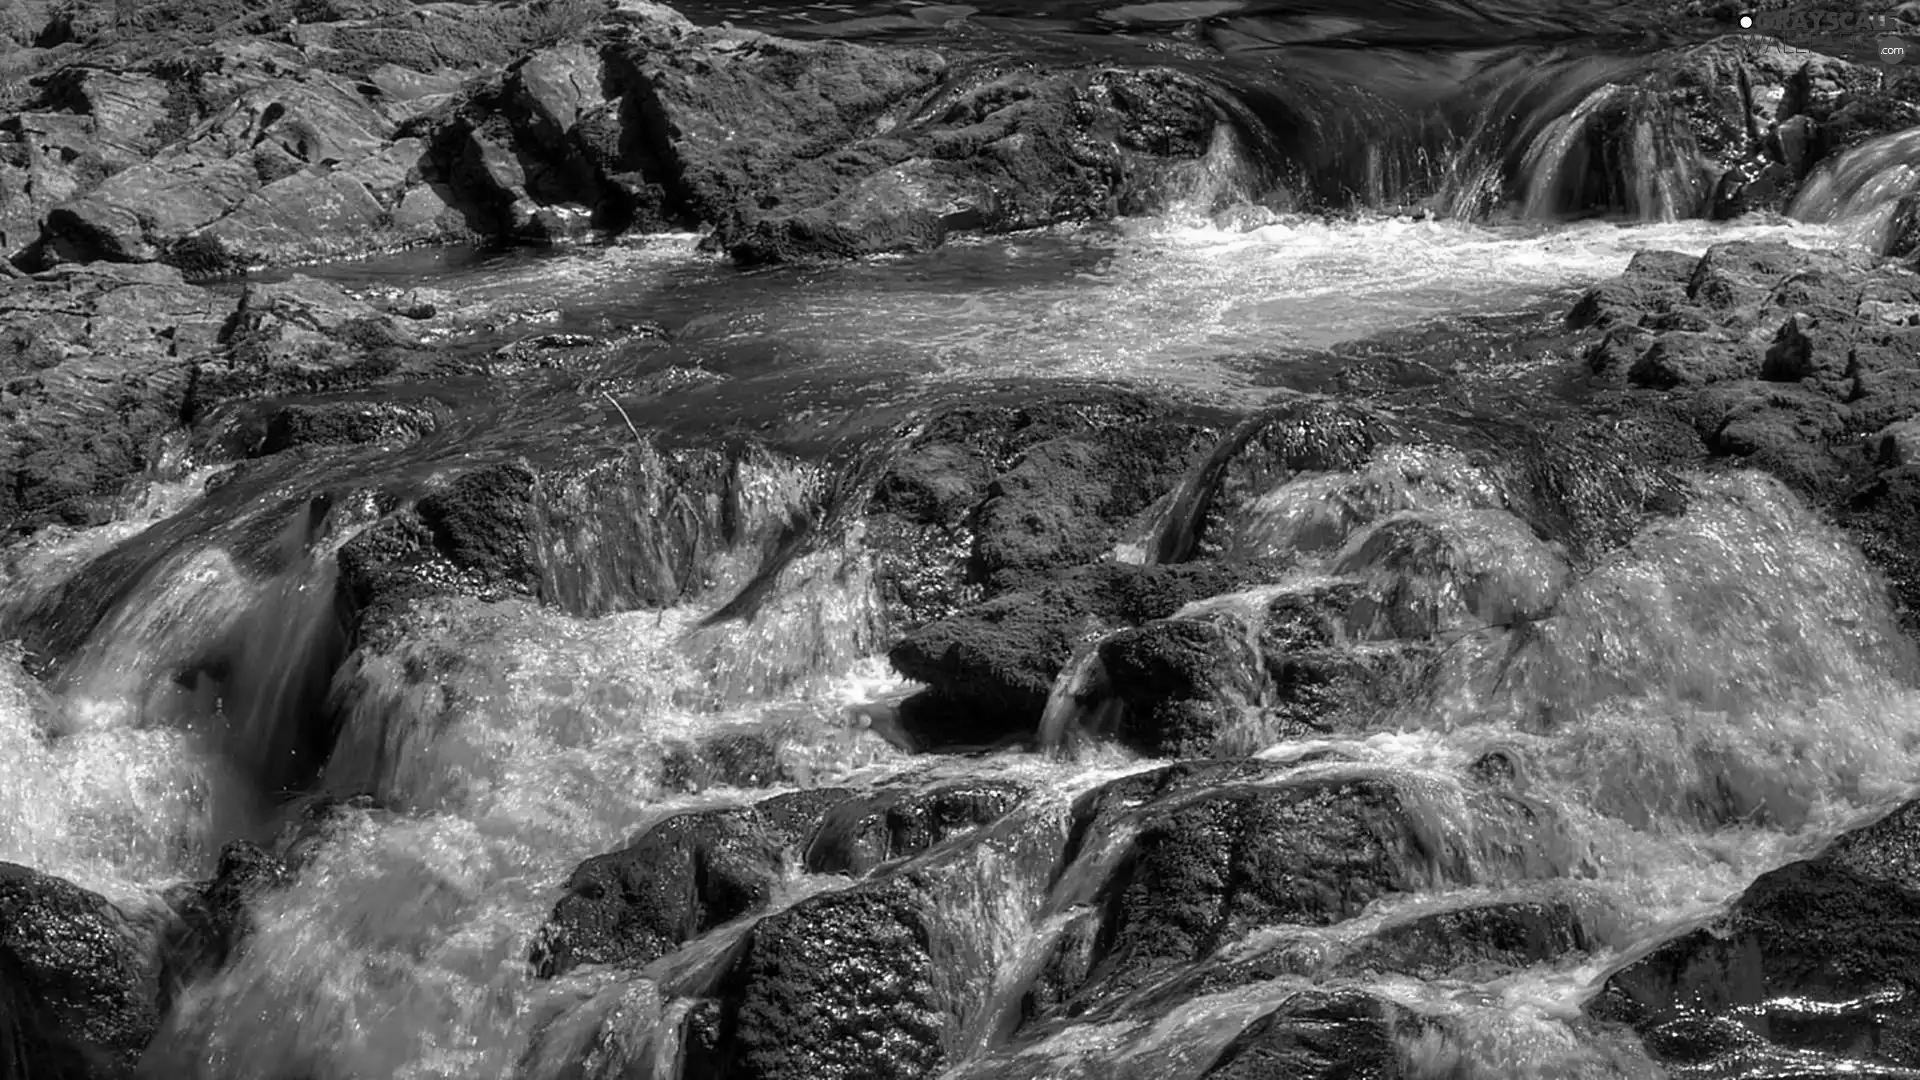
1707 703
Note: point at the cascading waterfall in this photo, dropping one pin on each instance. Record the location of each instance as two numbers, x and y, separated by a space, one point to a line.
1863 187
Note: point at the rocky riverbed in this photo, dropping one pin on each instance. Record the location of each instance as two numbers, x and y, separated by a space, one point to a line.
416 677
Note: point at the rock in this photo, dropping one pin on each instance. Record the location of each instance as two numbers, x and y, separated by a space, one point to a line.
1791 359
1653 283
1478 942
681 878
78 994
1061 502
351 423
1898 445
746 758
1320 1035
214 915
894 976
1213 852
941 549
1816 961
994 665
1185 683
1690 358
843 984
262 181
745 116
563 530
98 363
859 835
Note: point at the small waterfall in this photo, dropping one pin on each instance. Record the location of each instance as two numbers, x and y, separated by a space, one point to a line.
1546 133
201 644
1618 150
1080 706
1861 188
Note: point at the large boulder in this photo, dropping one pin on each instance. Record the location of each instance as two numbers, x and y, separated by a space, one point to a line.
79 992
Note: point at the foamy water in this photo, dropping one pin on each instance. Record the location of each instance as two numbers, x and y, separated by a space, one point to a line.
400 951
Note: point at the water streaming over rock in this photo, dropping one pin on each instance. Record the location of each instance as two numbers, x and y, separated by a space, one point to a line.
1378 703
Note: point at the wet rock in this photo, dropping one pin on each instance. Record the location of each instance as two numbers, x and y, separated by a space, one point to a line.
1016 149
98 364
995 496
994 664
78 993
1816 961
1219 509
681 878
1200 868
842 984
351 423
1885 515
858 835
1795 359
1653 284
1424 574
1320 1035
1591 487
587 529
1682 357
274 176
1742 276
1062 501
1324 691
893 977
745 116
276 150
1184 683
215 915
1478 942
1696 116
730 759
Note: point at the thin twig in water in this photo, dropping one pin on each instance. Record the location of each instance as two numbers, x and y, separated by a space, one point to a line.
623 416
